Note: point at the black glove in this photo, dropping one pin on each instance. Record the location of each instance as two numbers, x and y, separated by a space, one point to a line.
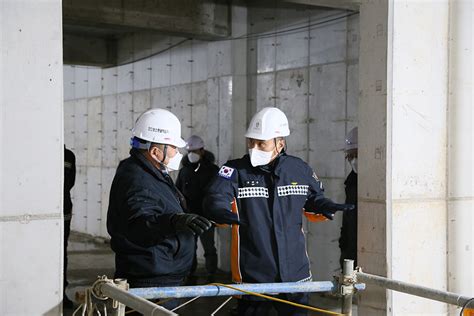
328 208
341 207
190 223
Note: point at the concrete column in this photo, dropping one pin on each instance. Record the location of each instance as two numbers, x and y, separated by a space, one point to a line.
403 156
237 124
239 79
418 124
31 157
460 151
373 201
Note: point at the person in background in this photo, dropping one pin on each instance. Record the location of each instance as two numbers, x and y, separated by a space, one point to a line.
193 178
264 195
348 239
151 235
69 180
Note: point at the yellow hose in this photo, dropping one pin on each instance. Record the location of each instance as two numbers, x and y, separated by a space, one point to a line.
311 308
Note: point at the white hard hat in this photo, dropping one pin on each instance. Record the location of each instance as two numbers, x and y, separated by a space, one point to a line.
159 126
351 139
268 123
194 142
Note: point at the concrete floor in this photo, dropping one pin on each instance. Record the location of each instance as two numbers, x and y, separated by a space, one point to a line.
90 258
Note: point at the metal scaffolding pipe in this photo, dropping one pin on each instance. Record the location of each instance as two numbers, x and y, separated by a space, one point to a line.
347 289
139 304
216 290
399 286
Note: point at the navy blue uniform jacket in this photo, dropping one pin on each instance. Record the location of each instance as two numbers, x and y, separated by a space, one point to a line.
269 245
147 248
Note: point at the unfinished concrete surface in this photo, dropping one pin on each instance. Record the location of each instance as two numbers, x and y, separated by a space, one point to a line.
403 189
409 86
214 88
313 75
92 28
92 257
31 157
460 186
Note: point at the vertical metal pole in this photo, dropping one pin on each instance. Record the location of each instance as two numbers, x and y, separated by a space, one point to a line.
347 288
115 308
121 284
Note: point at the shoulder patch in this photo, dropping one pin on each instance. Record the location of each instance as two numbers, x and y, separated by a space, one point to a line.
226 172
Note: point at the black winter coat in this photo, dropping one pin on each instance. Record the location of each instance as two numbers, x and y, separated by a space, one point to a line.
147 248
194 178
348 239
69 179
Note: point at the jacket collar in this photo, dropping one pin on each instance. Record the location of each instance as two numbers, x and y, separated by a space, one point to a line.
278 163
147 165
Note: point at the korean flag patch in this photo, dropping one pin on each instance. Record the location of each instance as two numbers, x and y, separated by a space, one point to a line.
226 172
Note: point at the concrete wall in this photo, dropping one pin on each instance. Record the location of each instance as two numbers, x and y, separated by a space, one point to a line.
313 77
102 104
31 157
460 186
413 196
214 88
418 124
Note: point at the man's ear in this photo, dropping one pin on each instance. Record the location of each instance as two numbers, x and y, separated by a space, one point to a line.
281 144
155 151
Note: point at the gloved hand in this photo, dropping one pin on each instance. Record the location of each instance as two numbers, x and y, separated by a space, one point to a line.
341 207
328 208
191 223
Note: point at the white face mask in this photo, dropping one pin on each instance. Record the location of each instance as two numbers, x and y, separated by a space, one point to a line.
353 163
174 162
193 157
260 157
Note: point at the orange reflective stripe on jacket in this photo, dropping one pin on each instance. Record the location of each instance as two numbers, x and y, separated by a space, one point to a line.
235 248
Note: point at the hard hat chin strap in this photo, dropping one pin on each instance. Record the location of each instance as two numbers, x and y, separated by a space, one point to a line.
165 149
162 161
279 153
276 146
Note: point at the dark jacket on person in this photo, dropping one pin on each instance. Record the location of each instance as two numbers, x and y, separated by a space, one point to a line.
269 245
69 179
193 179
147 248
348 239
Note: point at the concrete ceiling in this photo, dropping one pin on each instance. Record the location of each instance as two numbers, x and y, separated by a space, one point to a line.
92 28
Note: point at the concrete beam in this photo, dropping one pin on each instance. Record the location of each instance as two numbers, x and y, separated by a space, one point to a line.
336 4
199 19
89 50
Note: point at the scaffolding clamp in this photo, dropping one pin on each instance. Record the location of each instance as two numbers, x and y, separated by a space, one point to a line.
97 286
